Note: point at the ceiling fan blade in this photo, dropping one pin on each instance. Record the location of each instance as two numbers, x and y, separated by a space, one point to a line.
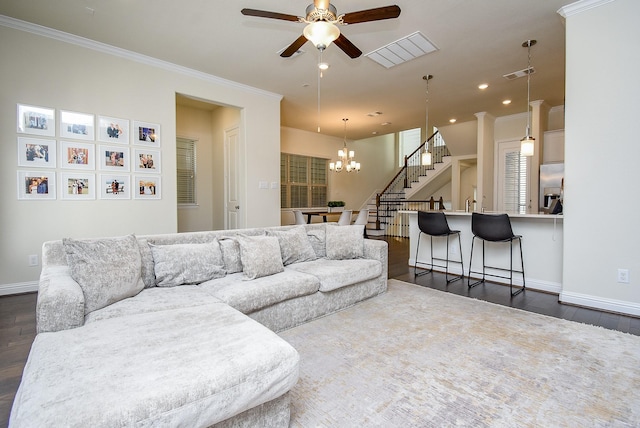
266 14
377 14
293 47
349 48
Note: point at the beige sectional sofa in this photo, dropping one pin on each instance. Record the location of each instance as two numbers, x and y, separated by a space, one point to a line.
180 329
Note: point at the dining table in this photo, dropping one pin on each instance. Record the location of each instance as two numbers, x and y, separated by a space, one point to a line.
323 214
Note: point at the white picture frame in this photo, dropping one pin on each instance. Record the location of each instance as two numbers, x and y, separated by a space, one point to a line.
36 120
114 186
147 187
78 126
36 152
146 160
113 158
76 155
113 130
36 185
77 186
146 134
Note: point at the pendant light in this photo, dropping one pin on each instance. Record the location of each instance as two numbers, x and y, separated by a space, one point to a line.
426 155
346 161
527 144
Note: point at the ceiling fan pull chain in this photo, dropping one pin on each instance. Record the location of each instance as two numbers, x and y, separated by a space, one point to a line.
319 77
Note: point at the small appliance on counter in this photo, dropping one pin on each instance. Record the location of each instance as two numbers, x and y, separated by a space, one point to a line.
551 176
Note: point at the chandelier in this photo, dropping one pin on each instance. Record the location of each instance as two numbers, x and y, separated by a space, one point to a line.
527 144
346 161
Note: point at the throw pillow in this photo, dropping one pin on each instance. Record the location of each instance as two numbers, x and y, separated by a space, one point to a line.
148 275
179 264
260 255
231 255
108 270
294 245
345 242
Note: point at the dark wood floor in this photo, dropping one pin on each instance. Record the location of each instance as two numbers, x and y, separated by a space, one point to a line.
17 316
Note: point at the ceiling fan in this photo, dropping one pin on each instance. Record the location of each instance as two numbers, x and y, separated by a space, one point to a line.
321 19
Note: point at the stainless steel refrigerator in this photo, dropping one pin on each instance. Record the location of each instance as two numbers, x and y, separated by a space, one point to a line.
551 176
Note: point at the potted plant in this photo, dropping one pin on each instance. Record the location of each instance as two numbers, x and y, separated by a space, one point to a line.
335 206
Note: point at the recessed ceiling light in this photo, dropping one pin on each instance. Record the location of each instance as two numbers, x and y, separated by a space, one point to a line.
452 120
375 133
385 123
483 86
323 66
506 102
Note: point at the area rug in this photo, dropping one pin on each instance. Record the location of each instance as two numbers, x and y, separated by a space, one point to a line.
416 357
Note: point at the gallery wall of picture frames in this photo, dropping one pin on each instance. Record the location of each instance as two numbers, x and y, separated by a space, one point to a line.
82 156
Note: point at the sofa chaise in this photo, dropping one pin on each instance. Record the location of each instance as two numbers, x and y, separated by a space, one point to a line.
181 329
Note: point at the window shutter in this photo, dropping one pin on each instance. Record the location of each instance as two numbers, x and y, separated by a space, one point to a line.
186 170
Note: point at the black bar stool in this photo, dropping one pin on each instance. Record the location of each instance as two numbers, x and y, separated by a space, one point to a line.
495 228
435 224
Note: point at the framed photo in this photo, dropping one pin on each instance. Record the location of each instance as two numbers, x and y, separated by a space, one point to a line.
77 155
113 130
36 152
36 185
80 186
146 160
146 134
79 126
114 158
36 120
114 186
147 187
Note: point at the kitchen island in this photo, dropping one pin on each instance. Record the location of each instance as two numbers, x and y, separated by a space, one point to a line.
541 247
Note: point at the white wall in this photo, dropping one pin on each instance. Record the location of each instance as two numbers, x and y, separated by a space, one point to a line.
38 68
601 156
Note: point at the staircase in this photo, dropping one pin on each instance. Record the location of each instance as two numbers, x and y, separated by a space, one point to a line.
400 193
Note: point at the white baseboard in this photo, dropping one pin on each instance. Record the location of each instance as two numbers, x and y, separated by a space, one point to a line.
601 303
19 288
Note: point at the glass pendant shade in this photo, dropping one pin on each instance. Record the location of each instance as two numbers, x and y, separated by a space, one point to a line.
527 145
321 33
426 159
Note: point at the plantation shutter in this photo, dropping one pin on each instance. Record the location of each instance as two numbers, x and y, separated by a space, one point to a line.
515 182
186 170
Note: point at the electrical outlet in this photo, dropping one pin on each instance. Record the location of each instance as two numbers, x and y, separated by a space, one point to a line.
453 249
33 260
623 276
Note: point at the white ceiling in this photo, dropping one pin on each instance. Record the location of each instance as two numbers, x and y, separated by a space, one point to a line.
478 41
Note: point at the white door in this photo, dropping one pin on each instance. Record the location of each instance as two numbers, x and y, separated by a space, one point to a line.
231 175
513 179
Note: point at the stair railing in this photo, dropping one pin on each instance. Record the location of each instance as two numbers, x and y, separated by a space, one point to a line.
392 196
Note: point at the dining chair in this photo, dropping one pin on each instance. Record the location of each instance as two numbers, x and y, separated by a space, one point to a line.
363 219
345 218
299 217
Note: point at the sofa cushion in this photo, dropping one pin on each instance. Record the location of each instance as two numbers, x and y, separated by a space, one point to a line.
316 233
334 274
231 255
249 296
295 246
185 367
155 299
107 270
345 242
260 255
187 263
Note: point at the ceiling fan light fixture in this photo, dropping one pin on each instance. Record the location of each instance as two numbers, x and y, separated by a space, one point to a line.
321 34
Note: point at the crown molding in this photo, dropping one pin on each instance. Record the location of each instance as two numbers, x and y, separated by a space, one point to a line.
61 36
580 6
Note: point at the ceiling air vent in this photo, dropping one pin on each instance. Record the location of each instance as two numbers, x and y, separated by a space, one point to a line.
405 49
519 73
